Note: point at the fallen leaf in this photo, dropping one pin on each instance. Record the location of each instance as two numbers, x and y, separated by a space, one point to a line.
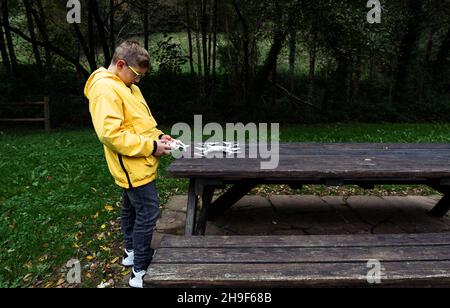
104 248
114 260
27 277
103 226
60 282
105 284
109 208
89 258
43 258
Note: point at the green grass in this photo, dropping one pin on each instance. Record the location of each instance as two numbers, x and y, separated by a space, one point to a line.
51 189
58 200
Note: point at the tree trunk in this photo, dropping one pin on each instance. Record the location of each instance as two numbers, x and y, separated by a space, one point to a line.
4 52
425 65
214 52
371 66
349 79
101 31
89 53
269 65
41 21
189 32
245 49
312 67
442 63
30 24
9 42
91 39
204 31
292 56
112 37
357 76
146 26
209 29
199 57
406 53
341 79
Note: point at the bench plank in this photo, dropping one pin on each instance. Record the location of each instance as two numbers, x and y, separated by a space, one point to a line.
361 240
302 254
296 274
321 260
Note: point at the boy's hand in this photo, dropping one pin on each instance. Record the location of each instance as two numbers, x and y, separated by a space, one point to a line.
162 149
166 138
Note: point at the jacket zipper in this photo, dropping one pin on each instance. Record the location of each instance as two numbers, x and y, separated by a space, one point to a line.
125 170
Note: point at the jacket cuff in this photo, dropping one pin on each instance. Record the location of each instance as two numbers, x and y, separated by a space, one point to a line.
155 147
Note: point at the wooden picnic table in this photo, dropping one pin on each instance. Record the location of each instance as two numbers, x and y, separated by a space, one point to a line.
332 164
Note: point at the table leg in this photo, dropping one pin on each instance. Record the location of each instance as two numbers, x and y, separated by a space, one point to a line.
230 197
442 207
191 209
208 193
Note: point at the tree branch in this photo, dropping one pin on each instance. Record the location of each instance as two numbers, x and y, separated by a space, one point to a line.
289 94
48 45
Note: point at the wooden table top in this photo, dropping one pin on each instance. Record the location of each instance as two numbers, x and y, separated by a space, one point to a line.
328 160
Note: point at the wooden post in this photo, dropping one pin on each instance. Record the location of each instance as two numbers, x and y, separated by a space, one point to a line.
47 114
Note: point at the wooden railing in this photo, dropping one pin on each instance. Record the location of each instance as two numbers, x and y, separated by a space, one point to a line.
46 113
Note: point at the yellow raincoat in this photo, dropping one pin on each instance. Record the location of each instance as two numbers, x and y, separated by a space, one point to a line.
125 126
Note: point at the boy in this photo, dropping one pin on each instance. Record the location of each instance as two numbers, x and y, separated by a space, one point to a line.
132 144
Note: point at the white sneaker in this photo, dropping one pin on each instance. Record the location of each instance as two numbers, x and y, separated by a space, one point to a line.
137 279
128 258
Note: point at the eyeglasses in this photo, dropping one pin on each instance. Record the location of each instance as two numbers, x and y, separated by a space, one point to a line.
138 76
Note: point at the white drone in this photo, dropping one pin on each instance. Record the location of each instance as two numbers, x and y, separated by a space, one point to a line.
178 145
217 147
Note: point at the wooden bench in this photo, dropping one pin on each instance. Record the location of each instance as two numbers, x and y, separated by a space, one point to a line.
421 260
46 112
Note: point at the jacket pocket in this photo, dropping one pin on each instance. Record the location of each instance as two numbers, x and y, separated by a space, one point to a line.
151 161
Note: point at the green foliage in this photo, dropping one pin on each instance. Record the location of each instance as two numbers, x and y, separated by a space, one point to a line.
359 73
169 56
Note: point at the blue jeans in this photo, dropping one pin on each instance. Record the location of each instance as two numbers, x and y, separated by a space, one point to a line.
140 211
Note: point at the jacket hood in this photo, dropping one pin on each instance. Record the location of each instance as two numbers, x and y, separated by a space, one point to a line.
101 73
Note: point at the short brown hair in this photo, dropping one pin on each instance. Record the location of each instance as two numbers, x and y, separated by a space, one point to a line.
133 53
